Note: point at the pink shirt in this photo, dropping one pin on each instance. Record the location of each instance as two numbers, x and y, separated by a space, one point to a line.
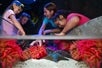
83 19
8 28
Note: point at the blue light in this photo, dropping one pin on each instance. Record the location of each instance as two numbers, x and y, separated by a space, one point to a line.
27 1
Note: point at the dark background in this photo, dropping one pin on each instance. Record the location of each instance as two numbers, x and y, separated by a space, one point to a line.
90 8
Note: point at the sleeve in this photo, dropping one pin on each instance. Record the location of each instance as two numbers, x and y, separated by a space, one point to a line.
45 21
70 16
10 12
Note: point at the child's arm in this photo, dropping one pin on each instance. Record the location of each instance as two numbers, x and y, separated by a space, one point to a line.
52 31
17 24
42 29
73 22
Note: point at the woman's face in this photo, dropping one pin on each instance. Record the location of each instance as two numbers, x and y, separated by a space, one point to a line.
48 13
61 22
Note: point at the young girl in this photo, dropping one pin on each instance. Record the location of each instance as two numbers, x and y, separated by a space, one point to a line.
10 25
68 21
49 11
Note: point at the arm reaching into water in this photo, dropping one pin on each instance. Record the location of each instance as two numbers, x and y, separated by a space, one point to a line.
73 22
17 24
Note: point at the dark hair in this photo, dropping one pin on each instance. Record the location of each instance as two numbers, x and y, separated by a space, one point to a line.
64 13
25 15
51 6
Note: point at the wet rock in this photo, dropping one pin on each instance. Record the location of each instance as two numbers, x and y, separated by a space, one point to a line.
91 28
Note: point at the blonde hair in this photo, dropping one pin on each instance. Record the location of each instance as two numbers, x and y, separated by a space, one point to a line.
17 3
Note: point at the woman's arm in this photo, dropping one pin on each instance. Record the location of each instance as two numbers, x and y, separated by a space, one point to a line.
73 22
17 24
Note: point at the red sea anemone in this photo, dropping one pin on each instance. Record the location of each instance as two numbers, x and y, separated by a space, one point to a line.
89 51
35 52
10 52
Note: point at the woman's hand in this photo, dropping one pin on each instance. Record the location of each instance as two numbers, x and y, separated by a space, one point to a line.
60 34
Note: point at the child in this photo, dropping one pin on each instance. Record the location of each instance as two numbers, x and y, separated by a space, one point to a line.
10 25
26 23
68 21
24 18
49 11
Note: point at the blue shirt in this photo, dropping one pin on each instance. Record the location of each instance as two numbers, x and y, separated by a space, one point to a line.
49 23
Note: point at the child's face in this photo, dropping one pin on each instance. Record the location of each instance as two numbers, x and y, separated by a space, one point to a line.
61 22
48 13
24 20
17 9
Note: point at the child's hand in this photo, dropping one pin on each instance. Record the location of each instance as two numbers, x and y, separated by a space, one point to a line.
21 33
60 34
46 32
37 42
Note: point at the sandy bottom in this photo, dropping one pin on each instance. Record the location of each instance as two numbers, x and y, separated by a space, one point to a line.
44 63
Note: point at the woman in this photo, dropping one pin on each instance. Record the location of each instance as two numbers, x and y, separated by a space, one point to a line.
67 21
